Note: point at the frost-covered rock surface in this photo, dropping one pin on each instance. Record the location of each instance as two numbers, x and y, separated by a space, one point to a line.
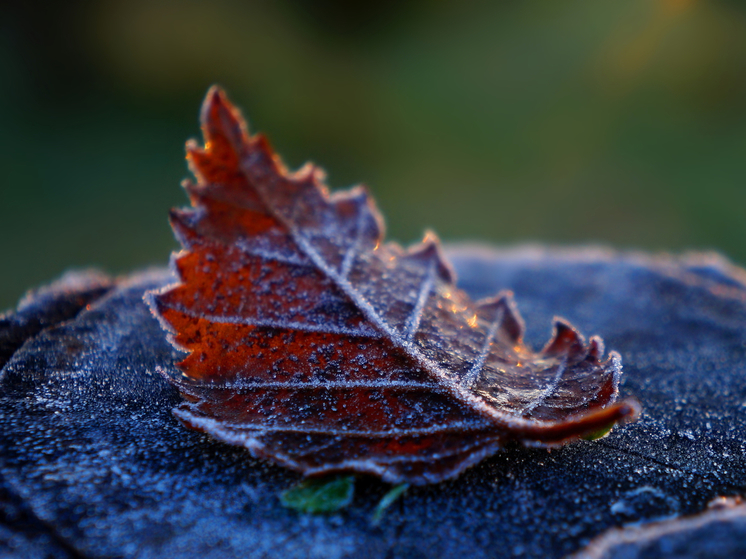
93 463
719 533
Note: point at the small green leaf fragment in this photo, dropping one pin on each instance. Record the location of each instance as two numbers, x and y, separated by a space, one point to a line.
387 500
314 496
600 433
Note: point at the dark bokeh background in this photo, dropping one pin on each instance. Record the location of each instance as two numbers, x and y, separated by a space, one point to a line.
560 122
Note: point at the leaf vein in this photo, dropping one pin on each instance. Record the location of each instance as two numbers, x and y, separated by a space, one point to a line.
414 319
471 377
365 332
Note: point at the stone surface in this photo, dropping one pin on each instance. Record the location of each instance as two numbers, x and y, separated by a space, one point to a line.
716 534
49 305
94 464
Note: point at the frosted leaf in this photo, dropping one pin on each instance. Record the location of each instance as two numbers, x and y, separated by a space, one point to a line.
315 344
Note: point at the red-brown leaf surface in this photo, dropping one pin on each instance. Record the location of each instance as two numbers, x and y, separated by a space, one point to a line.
316 345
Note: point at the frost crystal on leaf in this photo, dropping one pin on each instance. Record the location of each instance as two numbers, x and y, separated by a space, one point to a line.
315 344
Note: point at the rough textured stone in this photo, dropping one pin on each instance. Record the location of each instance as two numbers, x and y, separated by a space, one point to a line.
716 534
89 448
49 305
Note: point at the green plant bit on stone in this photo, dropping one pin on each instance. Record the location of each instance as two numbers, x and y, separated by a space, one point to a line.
387 500
321 495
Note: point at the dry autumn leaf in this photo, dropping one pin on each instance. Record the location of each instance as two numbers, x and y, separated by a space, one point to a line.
316 345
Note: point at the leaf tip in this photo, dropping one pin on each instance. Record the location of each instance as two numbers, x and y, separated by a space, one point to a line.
502 307
619 413
596 348
215 100
565 340
430 251
213 92
222 120
629 410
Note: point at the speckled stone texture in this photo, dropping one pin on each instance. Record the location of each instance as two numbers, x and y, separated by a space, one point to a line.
719 533
93 464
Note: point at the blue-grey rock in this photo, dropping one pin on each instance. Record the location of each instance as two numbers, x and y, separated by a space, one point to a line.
89 448
49 305
719 533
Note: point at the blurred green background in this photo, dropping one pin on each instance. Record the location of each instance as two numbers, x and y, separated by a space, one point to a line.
562 122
